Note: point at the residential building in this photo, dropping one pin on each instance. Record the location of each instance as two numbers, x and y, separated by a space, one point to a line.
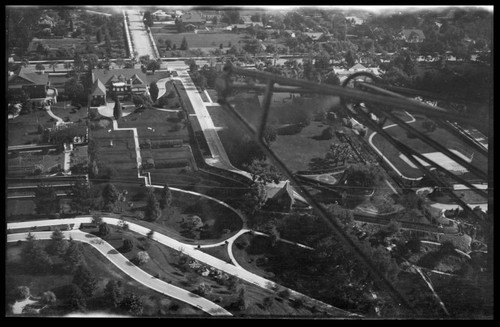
122 82
193 18
315 36
34 84
411 35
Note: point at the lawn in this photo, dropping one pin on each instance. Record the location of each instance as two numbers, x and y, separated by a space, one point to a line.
442 136
156 304
24 128
219 252
23 164
172 267
212 40
69 113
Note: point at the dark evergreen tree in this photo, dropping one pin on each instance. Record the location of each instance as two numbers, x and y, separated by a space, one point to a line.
85 280
117 110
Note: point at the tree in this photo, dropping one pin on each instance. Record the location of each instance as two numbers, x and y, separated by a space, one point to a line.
203 289
127 246
231 17
153 65
322 60
192 224
104 229
48 297
99 36
267 302
35 257
92 61
73 256
74 89
254 199
429 125
110 194
40 67
82 196
117 110
153 91
75 298
132 304
166 197
270 134
46 201
263 172
184 44
113 293
142 257
332 79
58 245
363 175
120 62
349 58
85 280
53 66
153 211
21 293
148 18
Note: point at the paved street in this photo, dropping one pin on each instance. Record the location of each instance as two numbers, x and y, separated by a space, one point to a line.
138 34
132 270
187 249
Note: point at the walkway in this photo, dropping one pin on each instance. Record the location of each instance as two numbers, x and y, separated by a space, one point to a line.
370 139
191 251
219 156
139 35
132 270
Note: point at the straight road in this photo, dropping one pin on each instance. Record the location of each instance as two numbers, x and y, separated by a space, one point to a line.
139 35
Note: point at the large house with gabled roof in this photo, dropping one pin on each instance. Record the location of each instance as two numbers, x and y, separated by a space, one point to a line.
34 84
121 82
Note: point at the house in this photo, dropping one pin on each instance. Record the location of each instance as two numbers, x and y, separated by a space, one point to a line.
354 20
358 67
193 18
239 27
290 33
160 15
46 21
34 84
122 82
411 35
280 199
314 36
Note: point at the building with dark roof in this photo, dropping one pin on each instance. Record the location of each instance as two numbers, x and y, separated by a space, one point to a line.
193 18
34 84
122 82
411 35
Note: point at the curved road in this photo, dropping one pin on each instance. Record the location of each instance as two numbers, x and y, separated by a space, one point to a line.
189 250
132 270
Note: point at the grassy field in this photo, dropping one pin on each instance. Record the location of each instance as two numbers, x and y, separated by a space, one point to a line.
441 136
24 128
167 264
212 40
67 112
154 303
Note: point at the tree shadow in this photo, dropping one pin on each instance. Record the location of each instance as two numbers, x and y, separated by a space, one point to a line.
113 251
